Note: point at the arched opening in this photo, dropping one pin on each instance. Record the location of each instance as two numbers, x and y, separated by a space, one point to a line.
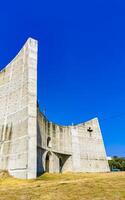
47 162
63 162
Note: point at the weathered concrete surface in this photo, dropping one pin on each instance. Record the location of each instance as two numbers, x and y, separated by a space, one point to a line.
29 143
78 148
18 91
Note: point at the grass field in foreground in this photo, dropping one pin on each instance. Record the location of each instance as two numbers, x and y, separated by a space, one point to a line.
69 186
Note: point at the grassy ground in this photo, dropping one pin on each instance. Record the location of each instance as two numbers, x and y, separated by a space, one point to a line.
80 186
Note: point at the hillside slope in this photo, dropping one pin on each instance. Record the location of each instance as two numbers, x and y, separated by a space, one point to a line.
80 186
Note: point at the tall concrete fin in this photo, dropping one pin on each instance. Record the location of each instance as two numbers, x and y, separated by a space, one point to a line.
18 97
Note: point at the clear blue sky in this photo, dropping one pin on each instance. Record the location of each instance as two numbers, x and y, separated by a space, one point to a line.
81 68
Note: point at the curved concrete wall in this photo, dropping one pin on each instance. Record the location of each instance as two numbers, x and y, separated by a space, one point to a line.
18 93
80 147
29 143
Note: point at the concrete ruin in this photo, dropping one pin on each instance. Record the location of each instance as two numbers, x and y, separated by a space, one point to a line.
29 143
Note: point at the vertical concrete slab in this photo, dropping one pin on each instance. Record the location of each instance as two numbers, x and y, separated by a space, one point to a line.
18 94
32 108
75 150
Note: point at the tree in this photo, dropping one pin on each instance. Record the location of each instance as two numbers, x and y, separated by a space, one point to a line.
117 163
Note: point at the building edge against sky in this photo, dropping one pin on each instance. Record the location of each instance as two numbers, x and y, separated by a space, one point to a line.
29 143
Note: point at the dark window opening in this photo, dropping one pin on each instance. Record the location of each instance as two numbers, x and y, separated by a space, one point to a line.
49 142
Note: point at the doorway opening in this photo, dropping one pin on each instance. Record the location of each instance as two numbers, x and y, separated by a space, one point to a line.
47 162
60 165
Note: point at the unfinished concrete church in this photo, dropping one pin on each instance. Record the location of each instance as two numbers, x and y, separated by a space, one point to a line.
30 144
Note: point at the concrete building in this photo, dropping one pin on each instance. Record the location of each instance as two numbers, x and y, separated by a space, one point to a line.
29 143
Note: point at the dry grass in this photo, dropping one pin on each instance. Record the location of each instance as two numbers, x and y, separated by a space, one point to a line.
80 186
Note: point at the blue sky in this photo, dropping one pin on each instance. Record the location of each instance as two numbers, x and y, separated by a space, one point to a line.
81 67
